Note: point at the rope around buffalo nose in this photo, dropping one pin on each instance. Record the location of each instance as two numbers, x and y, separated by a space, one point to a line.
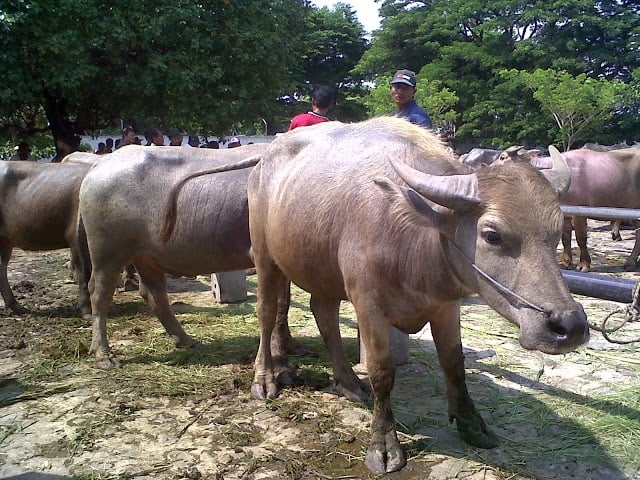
631 314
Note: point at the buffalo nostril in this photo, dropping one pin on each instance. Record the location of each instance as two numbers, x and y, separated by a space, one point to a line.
569 325
556 325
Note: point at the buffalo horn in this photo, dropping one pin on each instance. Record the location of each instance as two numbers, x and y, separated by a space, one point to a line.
559 176
451 191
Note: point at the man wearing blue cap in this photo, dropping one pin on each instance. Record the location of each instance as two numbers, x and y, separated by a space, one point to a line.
403 91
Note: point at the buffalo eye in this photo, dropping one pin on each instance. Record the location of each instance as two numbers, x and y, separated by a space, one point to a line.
491 237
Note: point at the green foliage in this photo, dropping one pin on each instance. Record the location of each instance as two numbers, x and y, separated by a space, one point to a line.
171 62
578 104
465 44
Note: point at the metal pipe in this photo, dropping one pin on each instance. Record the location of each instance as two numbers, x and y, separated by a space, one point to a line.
606 213
599 286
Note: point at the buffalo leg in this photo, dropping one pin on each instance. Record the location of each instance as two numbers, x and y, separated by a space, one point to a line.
567 231
154 291
9 300
326 313
282 339
264 380
445 329
102 286
631 263
615 230
81 273
580 226
384 453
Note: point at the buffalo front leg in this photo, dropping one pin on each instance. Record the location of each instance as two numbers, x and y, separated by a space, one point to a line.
153 288
264 379
580 226
445 329
384 454
567 231
5 289
326 313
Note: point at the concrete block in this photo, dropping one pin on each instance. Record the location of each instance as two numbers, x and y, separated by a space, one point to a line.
229 287
398 344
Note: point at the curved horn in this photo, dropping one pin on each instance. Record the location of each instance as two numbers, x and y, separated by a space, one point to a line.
559 175
451 191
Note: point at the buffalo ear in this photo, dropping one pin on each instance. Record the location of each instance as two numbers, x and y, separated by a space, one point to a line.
411 207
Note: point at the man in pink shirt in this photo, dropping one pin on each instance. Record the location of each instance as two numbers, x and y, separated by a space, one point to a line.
321 102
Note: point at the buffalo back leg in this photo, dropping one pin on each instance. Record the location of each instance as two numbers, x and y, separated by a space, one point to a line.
282 339
155 294
10 301
445 329
631 263
326 313
270 278
102 285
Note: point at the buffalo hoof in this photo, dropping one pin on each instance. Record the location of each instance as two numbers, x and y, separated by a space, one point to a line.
475 432
353 394
385 457
108 362
131 285
293 347
18 309
264 391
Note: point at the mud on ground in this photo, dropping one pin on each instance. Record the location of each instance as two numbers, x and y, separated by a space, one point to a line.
170 414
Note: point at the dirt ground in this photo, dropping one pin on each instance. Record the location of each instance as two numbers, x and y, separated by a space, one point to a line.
554 415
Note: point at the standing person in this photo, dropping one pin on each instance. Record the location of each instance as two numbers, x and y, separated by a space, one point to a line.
321 101
102 149
155 137
108 145
128 137
23 152
175 137
403 91
194 140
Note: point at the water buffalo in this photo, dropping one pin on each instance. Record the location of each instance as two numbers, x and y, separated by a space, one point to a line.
38 211
598 179
479 157
378 213
121 209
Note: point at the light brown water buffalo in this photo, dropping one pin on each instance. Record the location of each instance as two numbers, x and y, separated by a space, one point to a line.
378 213
598 179
121 206
38 211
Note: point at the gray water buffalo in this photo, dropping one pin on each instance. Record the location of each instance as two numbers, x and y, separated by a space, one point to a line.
121 207
379 214
38 211
479 157
598 179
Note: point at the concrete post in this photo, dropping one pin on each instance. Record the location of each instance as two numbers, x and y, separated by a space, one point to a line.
229 287
398 344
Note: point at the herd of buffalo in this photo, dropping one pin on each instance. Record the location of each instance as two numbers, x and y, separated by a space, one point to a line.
378 213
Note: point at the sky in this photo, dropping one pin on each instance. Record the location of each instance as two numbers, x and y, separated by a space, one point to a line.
366 11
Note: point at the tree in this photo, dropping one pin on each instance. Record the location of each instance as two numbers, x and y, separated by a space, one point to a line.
333 44
204 64
578 104
465 44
